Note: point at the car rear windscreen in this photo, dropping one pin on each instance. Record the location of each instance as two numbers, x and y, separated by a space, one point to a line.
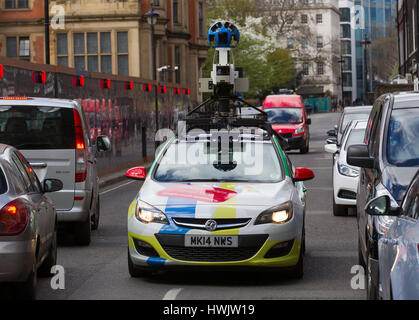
37 127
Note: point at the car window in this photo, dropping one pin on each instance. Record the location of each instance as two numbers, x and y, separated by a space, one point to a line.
374 143
21 173
347 118
3 183
31 173
200 161
356 136
403 132
413 210
35 127
284 115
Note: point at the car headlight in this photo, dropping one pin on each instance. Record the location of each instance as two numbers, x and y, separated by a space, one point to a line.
299 130
278 214
347 171
148 214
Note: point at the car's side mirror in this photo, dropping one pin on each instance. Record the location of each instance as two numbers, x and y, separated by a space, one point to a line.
308 121
359 156
137 173
331 148
303 174
103 143
332 133
52 185
381 206
332 141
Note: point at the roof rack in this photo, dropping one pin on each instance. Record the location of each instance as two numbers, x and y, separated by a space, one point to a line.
217 113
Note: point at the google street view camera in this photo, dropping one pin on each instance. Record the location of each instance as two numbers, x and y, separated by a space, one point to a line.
225 79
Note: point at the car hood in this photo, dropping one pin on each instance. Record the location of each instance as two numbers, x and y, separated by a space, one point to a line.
397 180
285 128
261 195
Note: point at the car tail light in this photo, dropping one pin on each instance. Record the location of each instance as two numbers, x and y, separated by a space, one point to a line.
81 156
14 217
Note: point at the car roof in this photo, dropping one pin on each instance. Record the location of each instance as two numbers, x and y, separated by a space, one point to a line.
357 109
406 99
36 101
287 100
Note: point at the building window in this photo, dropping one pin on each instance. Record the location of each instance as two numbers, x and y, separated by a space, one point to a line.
105 52
347 79
347 64
345 31
320 68
320 42
175 11
345 47
177 64
200 20
289 19
304 19
93 52
290 43
345 14
18 47
304 42
122 44
305 68
16 4
319 18
62 49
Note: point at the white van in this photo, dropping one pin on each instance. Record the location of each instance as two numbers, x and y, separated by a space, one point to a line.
53 135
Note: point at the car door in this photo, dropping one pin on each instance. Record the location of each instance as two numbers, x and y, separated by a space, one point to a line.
398 247
36 197
367 176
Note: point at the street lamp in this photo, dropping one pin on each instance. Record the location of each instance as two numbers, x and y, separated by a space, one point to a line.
365 43
341 61
151 17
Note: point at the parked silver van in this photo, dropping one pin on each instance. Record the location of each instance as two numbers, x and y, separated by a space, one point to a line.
53 135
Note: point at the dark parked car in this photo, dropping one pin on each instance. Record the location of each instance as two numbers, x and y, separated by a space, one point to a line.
28 223
398 249
389 159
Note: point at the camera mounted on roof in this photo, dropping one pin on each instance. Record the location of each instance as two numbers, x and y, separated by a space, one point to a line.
225 79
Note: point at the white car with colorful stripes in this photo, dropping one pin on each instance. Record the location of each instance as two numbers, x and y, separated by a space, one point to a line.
194 210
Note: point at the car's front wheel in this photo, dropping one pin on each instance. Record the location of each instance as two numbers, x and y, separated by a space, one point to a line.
372 290
96 215
339 210
135 271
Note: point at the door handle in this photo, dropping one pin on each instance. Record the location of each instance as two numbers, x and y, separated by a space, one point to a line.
39 165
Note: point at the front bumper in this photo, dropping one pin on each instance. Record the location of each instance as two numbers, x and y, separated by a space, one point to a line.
296 142
344 188
16 260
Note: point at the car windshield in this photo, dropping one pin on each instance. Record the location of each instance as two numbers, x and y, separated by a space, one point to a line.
352 116
284 115
33 127
252 161
402 150
356 136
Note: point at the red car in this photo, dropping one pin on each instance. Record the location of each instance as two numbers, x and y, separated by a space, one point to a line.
289 118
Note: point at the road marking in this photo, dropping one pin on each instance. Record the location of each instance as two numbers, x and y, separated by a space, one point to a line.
120 186
172 294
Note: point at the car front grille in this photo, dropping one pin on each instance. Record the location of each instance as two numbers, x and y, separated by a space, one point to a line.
345 194
173 245
195 223
286 135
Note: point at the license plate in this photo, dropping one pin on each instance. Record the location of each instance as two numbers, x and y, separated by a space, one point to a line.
211 241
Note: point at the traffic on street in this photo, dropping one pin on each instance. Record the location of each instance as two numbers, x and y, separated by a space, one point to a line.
222 165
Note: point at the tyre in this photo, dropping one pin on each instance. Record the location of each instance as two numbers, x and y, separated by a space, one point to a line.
339 210
51 259
27 289
96 215
361 261
372 290
83 233
305 149
298 271
135 271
